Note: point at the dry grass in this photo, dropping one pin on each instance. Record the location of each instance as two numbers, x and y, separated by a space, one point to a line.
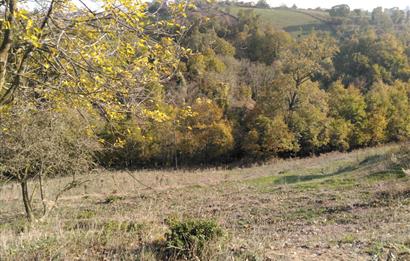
338 206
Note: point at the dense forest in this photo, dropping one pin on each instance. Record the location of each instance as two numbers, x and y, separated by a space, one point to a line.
174 84
250 91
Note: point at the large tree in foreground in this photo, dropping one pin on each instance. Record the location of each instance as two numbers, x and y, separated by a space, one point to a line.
111 59
60 54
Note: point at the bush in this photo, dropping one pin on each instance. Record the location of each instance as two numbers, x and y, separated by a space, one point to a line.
41 142
190 238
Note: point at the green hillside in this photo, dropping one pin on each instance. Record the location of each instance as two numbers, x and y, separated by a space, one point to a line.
289 19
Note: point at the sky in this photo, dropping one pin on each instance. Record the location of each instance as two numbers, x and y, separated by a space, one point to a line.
362 4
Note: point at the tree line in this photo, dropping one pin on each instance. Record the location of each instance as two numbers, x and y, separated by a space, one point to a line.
251 91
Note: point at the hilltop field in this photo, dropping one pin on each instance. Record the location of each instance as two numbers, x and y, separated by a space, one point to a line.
291 20
339 206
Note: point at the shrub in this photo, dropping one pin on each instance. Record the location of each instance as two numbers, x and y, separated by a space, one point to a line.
190 238
38 143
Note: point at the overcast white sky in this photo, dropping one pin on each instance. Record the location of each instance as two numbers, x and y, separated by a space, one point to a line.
363 4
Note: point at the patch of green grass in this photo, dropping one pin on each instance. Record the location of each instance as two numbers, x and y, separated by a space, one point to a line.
113 226
291 179
280 18
86 214
330 183
331 176
386 175
18 225
39 248
308 186
375 249
293 21
348 239
339 183
269 180
306 214
403 248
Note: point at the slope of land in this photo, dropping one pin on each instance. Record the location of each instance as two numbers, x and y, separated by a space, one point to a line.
291 20
339 206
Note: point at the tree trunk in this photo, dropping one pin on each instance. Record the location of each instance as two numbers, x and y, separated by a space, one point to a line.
175 148
26 200
5 46
40 181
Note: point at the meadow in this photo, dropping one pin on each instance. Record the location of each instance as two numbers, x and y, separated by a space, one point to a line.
292 21
344 206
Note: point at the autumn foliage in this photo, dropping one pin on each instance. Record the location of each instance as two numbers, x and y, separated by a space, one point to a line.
170 84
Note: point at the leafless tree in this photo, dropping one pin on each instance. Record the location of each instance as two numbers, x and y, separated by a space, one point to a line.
36 143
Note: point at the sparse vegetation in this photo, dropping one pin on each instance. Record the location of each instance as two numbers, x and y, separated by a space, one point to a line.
332 205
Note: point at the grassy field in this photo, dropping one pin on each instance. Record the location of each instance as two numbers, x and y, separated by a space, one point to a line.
339 206
290 20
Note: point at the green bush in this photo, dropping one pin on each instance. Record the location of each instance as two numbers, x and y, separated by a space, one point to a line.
191 238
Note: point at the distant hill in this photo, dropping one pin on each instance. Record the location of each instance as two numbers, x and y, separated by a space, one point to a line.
294 21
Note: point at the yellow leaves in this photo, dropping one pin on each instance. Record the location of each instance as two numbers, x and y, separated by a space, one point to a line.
203 101
156 115
167 41
29 24
187 112
142 44
108 69
113 114
119 143
6 25
89 131
30 33
109 62
129 49
21 14
191 6
33 39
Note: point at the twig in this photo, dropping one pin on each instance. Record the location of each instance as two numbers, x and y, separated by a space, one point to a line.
134 178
